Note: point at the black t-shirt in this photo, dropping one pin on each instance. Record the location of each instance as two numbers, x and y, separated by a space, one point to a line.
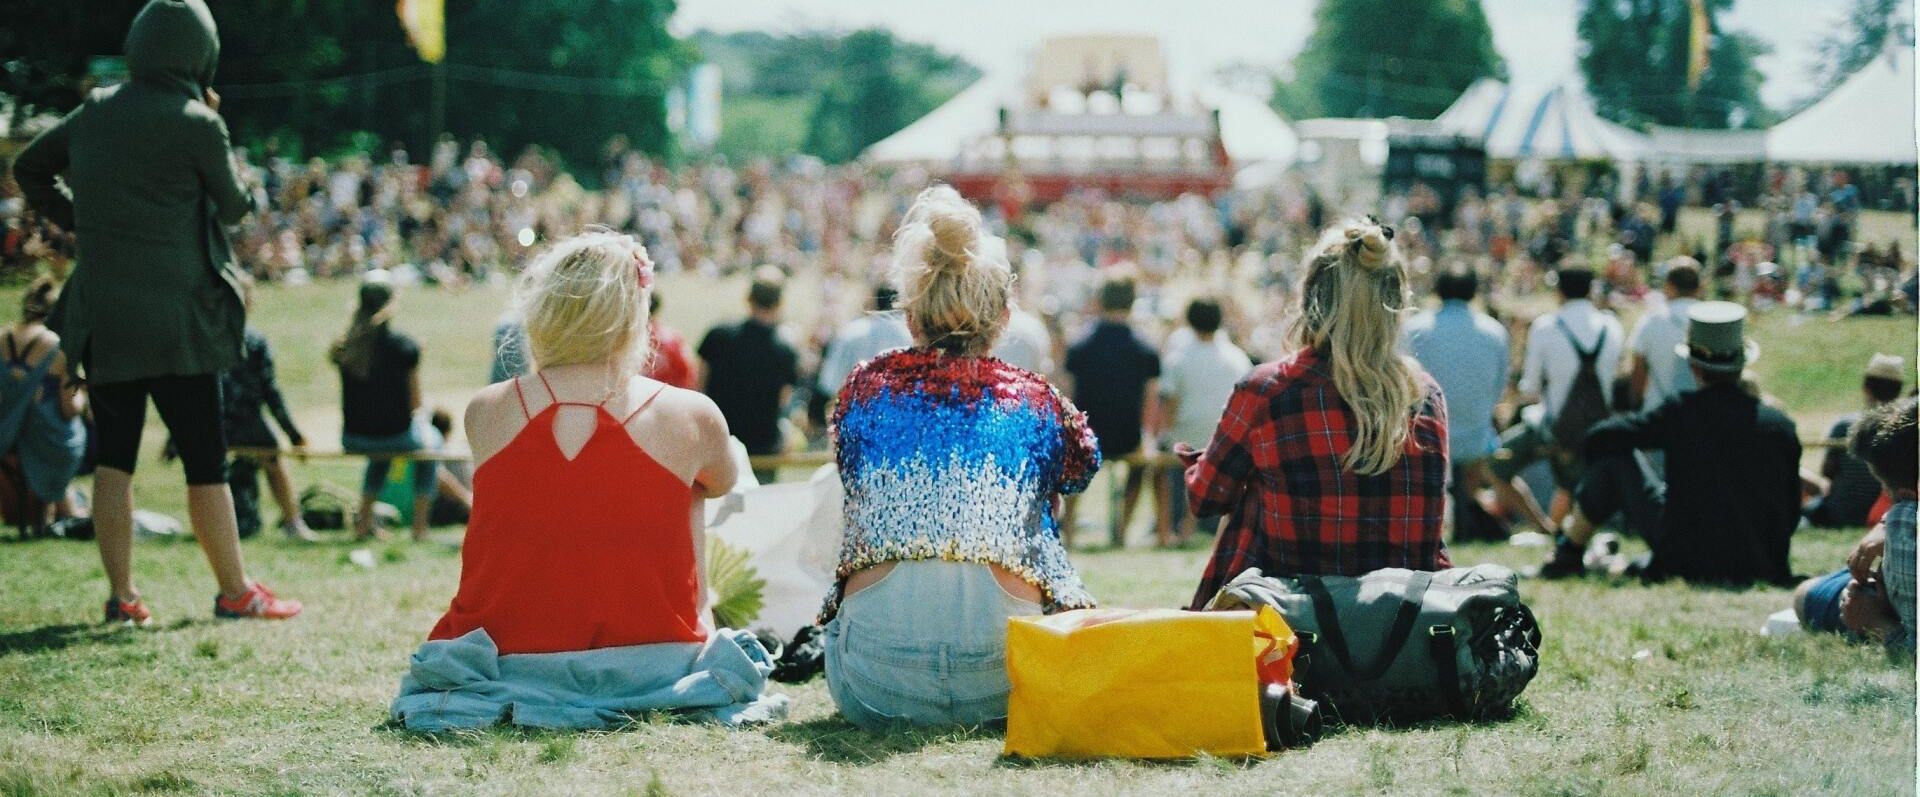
381 404
1111 367
747 367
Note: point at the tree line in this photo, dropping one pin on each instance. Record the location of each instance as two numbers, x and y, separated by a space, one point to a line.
321 75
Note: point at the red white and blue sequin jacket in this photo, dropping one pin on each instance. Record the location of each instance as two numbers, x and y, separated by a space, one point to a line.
958 458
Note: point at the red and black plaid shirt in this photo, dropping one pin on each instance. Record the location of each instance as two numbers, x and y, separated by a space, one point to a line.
1273 469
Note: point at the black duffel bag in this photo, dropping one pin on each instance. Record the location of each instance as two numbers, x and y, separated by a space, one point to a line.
1403 645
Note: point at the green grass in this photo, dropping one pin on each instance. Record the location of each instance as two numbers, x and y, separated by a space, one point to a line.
196 706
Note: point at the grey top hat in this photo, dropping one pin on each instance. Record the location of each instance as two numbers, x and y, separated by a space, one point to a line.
1716 338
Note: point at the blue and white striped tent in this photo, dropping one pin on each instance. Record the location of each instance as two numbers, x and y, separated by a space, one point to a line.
1547 122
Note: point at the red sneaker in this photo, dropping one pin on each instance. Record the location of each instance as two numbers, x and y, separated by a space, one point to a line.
258 602
133 612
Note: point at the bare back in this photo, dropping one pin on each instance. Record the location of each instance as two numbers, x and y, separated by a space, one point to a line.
681 430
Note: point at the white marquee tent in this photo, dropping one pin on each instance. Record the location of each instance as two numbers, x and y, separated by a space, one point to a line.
1868 119
963 128
1546 122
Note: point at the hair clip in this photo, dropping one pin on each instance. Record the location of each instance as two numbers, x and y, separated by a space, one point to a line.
642 268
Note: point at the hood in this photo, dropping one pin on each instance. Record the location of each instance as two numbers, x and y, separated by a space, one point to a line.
173 45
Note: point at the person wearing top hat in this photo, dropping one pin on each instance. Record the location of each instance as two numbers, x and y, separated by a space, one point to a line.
1851 488
1730 501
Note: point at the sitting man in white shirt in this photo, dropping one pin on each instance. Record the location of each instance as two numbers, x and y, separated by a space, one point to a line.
1556 343
1657 373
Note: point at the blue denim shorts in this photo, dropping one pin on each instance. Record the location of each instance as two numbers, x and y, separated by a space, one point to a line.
926 645
419 436
1823 602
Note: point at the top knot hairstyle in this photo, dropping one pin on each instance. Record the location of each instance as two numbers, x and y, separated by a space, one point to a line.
1370 244
953 277
1351 303
586 300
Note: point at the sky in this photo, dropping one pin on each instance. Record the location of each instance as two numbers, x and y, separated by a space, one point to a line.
1536 37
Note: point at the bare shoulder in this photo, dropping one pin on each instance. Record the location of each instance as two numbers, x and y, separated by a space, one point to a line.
493 416
691 409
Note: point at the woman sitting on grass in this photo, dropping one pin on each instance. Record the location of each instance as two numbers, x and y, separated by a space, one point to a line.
588 478
1332 460
380 402
952 461
40 403
586 534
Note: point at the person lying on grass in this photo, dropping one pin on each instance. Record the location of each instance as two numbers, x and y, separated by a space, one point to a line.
1869 602
952 462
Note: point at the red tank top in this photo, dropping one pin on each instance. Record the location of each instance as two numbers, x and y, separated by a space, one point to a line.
565 555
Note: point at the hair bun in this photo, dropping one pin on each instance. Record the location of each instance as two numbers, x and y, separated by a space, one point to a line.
1369 243
955 236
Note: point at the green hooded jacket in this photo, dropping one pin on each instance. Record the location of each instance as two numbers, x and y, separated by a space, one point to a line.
150 182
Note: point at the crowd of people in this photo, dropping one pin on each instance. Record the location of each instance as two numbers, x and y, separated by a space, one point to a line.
958 421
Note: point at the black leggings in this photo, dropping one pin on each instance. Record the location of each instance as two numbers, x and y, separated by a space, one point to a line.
191 408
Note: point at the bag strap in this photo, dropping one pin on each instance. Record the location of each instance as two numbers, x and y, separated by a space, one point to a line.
1442 643
1586 357
1329 620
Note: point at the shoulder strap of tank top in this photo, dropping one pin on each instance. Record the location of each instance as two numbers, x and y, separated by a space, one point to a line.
551 396
644 404
520 394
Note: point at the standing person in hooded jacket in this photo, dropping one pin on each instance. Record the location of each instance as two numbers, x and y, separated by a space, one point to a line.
153 308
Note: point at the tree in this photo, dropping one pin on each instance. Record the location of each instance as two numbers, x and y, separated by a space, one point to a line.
1636 58
1389 58
1865 32
567 74
44 50
866 103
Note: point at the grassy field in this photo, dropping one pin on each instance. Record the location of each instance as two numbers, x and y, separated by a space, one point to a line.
1642 689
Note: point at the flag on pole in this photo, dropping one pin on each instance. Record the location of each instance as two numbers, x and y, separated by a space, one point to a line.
1697 37
426 24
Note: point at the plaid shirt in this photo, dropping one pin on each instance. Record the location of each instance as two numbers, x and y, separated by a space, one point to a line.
1897 568
1274 470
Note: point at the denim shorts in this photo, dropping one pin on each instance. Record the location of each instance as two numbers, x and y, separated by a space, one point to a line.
419 436
926 645
1823 603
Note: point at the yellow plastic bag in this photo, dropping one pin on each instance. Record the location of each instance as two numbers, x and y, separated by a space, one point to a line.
1156 683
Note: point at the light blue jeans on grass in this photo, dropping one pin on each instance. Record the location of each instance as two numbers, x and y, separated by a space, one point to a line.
926 645
421 436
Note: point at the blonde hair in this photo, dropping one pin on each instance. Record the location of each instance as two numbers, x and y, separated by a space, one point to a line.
1350 307
953 277
585 301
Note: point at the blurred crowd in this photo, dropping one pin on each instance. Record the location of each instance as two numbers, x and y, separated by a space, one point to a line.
466 215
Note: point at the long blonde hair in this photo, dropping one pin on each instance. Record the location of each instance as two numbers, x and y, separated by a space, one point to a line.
584 301
1351 302
952 275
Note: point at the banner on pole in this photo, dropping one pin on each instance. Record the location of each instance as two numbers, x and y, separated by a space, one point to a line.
426 24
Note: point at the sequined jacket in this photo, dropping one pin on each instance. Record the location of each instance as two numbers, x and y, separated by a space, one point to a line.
958 458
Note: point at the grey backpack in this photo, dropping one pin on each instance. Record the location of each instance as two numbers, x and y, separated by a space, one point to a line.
1403 645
